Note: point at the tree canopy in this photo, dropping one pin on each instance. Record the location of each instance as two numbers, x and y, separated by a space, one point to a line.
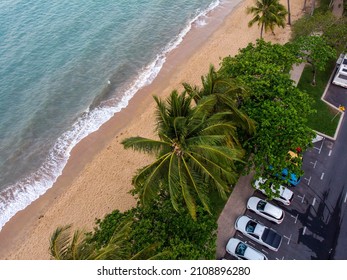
268 14
175 235
279 109
333 29
195 154
314 50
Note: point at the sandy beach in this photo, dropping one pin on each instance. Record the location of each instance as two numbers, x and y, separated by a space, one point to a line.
97 178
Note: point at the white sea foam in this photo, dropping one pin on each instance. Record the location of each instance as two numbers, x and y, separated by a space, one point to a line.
18 196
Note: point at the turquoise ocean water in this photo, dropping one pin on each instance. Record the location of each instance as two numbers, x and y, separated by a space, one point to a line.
67 67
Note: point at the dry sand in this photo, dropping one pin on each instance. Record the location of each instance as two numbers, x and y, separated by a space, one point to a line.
98 176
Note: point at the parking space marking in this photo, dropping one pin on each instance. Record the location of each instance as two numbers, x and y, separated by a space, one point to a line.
295 218
303 232
302 198
308 180
313 163
250 242
280 259
330 153
314 202
322 176
289 238
321 146
345 198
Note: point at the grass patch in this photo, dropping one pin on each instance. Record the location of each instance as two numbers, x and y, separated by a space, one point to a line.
322 120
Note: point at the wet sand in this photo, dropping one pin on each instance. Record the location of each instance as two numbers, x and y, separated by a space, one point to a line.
97 178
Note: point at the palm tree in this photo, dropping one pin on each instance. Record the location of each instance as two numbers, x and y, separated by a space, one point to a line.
192 155
226 94
64 246
268 14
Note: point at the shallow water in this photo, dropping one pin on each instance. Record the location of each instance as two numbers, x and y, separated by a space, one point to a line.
67 68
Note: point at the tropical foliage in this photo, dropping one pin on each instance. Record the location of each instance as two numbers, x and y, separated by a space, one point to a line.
315 50
331 28
67 246
195 153
267 14
226 94
279 109
175 235
203 134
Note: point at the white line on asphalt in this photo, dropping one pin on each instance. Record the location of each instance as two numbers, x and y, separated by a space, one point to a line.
303 232
313 163
289 238
308 180
322 176
250 242
296 218
330 153
321 146
314 202
302 198
345 198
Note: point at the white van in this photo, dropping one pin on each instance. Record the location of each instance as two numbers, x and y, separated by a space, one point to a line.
340 77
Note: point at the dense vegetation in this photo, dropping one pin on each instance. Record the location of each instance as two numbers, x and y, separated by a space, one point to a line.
279 109
247 115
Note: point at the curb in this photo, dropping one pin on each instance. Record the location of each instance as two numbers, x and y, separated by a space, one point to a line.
333 107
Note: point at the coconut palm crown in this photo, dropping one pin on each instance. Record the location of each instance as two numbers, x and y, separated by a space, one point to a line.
194 154
227 94
268 14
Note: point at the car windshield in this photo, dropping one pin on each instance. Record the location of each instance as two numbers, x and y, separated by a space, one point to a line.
261 205
250 227
241 249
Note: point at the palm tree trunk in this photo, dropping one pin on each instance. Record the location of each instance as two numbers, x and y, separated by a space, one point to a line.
313 7
261 30
288 4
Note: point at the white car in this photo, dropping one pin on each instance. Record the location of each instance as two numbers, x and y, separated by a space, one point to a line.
265 209
258 232
285 195
242 251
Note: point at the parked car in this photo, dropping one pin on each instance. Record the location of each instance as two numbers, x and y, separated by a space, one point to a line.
340 77
285 195
242 251
265 209
258 232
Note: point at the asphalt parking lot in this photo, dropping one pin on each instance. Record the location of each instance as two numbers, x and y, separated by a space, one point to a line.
305 228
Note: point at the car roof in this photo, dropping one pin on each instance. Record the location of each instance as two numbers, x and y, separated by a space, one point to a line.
269 208
248 253
244 221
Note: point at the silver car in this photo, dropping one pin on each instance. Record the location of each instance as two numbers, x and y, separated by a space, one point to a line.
242 251
265 209
258 232
285 195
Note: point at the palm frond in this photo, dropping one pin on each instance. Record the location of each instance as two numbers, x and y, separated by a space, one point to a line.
59 242
145 145
185 189
198 184
174 180
151 180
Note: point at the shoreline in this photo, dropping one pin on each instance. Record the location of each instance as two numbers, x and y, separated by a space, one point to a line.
99 169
